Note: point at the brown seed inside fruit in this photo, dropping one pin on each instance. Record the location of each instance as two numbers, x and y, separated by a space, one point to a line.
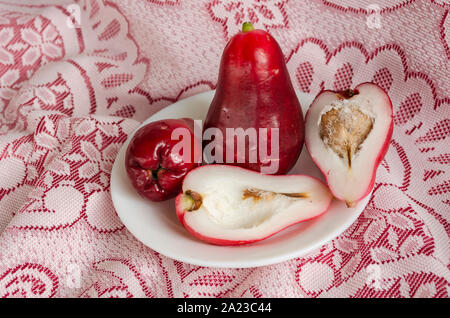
344 129
257 194
193 200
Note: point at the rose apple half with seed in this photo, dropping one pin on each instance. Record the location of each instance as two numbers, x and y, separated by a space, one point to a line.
156 161
228 205
347 136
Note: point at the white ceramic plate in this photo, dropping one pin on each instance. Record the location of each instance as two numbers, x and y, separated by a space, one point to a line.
156 224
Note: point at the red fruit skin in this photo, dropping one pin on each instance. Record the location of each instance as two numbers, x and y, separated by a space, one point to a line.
254 89
151 149
380 155
181 212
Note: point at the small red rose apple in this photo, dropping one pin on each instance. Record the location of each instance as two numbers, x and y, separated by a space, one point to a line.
156 162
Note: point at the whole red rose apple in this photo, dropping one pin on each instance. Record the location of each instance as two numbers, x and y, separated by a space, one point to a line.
255 93
156 162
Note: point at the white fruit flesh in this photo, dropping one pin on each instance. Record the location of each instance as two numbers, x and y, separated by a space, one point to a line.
242 205
345 137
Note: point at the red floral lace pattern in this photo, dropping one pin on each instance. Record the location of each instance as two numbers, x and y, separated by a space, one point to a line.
75 80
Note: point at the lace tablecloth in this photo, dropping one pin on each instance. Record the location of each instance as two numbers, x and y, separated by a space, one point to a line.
77 78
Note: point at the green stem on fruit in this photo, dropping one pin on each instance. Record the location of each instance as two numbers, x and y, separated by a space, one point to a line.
247 27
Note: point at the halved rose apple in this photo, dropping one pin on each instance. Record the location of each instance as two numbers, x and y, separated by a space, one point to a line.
347 136
228 205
